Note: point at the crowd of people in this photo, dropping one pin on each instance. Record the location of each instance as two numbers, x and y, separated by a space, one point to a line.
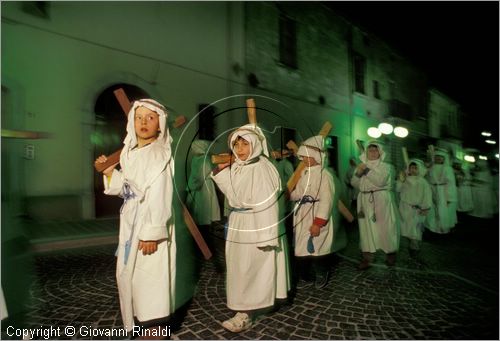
265 199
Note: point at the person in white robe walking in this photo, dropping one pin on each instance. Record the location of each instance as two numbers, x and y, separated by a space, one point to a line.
464 190
442 216
313 214
415 202
256 254
146 252
377 212
482 191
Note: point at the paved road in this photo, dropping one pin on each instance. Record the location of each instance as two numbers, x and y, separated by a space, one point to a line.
453 296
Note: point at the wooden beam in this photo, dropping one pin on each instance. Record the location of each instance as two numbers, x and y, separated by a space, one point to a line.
25 134
124 102
294 179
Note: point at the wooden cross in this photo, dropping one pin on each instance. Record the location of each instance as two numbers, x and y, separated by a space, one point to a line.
294 179
252 119
114 158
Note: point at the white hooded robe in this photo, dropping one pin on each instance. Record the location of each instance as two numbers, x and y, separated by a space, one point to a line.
415 195
317 183
255 278
379 223
442 216
145 282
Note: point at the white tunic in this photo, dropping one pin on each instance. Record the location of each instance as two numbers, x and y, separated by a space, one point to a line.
255 278
442 216
317 184
416 195
202 198
147 216
145 282
379 228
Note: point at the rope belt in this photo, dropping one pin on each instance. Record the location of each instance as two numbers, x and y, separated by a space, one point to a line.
126 194
231 210
306 199
371 200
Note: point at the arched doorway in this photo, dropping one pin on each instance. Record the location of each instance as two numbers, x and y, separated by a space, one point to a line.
108 135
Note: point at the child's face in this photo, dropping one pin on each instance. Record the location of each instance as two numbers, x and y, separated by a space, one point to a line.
439 159
413 170
309 161
373 153
242 148
147 125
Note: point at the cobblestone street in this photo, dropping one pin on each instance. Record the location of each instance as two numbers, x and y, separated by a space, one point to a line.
453 296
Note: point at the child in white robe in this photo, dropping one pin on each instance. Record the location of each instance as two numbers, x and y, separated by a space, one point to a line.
415 202
377 216
255 250
464 191
313 216
146 253
442 216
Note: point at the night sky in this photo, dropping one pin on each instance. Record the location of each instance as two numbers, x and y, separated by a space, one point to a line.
455 42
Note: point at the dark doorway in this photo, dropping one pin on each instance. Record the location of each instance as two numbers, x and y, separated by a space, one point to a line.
288 134
206 122
333 153
108 135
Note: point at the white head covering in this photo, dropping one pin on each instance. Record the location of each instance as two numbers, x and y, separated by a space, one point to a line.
313 147
163 140
164 137
200 147
253 135
444 154
373 163
422 170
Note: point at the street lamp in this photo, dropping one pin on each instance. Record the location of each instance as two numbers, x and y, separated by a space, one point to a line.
385 128
401 132
486 133
491 142
374 132
469 158
482 157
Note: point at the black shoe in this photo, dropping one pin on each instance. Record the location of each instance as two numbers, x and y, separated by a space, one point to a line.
321 281
365 264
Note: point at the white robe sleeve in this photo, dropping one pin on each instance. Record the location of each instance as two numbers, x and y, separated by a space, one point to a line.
326 194
114 187
223 182
267 218
379 176
159 207
298 191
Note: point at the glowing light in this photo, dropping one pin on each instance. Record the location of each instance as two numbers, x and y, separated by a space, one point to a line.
400 131
491 141
482 157
385 128
374 132
496 155
486 133
469 158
